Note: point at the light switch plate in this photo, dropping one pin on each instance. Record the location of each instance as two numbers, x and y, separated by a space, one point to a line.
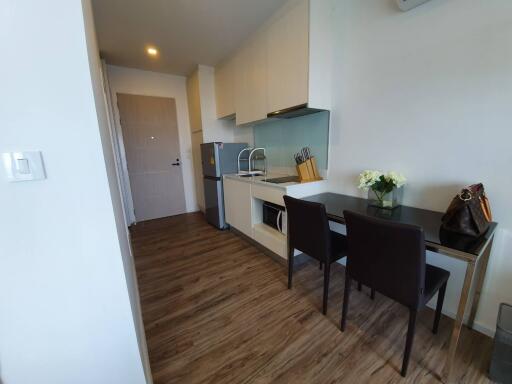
24 166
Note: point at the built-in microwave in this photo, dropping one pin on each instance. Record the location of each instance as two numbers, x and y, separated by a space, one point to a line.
274 216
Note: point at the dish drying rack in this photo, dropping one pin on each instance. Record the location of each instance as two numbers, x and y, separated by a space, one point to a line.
254 155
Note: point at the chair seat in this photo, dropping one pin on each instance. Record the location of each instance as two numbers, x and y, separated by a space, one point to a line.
338 246
435 277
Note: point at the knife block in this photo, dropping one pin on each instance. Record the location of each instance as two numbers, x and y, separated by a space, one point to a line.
308 171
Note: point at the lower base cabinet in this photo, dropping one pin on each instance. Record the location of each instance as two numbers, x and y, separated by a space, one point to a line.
238 205
243 201
271 239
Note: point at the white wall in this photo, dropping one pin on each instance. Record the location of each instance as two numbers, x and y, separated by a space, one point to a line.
138 82
107 132
66 313
428 93
244 135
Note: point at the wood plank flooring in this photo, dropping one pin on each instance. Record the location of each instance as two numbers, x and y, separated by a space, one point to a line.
216 310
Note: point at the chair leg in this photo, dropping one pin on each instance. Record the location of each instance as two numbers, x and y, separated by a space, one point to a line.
290 266
408 343
321 264
327 275
372 294
346 296
359 286
439 307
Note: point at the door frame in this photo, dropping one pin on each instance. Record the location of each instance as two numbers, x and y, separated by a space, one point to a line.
119 149
170 104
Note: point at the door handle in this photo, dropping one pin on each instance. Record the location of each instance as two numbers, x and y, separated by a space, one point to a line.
177 163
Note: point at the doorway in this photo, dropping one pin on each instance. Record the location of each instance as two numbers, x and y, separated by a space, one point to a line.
150 133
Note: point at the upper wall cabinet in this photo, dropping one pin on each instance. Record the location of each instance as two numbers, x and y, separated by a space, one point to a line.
285 64
225 88
251 80
287 57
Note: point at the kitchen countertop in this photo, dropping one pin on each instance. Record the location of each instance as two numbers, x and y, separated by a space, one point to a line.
260 180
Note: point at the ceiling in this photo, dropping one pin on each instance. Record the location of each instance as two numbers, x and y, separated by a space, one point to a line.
186 32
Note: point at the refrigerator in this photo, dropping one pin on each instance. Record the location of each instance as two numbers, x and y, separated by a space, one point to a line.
217 159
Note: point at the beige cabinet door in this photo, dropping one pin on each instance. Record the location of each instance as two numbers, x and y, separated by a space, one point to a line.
238 205
197 140
250 80
288 57
150 134
225 88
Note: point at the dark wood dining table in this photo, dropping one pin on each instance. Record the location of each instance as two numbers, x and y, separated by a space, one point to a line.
474 251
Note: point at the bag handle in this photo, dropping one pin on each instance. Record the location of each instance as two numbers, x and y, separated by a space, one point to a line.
486 207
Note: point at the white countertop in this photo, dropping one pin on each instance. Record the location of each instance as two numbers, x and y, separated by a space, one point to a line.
260 180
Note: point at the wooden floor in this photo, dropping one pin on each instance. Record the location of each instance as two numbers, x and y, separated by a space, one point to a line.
216 310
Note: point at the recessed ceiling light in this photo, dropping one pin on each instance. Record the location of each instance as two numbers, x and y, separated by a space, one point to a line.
152 51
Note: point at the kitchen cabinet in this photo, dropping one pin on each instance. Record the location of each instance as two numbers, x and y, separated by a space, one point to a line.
197 140
265 193
238 205
225 88
286 63
287 57
243 206
271 239
251 79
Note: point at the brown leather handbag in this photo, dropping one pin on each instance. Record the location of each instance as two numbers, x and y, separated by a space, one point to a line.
469 212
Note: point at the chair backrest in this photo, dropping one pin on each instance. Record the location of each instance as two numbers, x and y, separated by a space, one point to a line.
387 256
308 228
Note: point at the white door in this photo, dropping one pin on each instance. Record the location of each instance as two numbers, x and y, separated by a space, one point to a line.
150 135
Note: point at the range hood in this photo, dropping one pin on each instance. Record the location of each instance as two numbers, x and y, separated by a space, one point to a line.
288 113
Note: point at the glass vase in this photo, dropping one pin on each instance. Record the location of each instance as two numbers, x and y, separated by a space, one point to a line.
383 200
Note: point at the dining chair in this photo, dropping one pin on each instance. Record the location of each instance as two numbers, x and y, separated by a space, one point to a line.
309 232
390 258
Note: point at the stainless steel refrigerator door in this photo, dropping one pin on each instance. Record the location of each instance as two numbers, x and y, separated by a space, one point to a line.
227 155
214 202
210 159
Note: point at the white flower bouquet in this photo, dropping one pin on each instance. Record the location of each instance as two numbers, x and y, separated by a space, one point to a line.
384 189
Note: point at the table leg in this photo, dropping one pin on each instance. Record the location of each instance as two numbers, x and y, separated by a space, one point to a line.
457 326
480 278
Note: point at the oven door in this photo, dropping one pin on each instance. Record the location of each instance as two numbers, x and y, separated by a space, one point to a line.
284 222
273 216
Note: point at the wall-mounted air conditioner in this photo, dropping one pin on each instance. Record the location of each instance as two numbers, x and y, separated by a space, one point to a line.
405 5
